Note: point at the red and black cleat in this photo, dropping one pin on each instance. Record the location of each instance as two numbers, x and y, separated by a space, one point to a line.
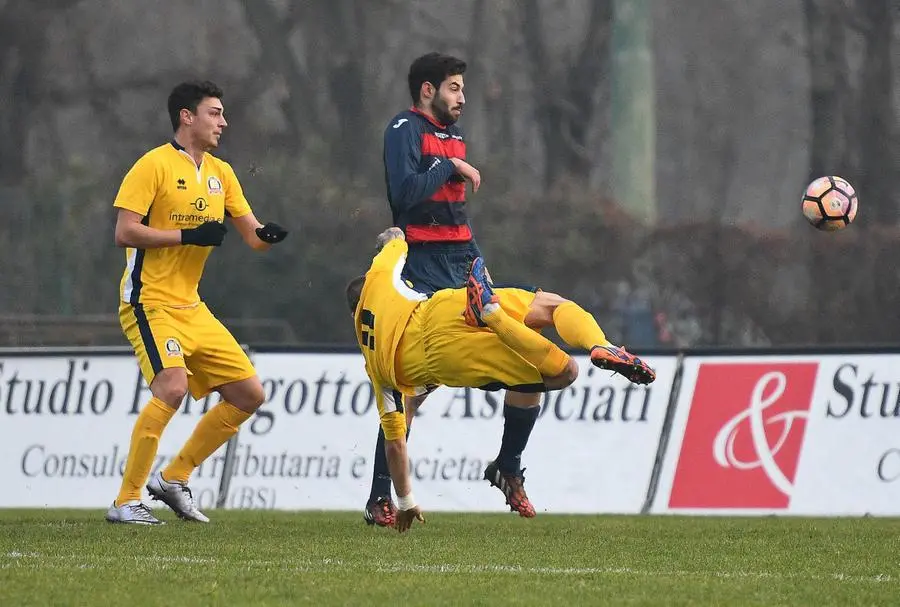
623 362
513 487
380 511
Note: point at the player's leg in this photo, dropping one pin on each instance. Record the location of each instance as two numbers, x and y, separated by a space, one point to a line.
483 309
520 411
461 355
428 269
380 509
240 399
578 328
218 363
155 336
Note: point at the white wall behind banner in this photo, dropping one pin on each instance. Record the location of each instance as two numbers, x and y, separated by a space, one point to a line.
805 435
65 424
311 446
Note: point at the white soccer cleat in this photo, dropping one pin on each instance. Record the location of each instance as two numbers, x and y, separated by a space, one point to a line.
176 496
133 513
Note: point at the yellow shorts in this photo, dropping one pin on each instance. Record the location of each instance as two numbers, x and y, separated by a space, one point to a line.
438 347
164 337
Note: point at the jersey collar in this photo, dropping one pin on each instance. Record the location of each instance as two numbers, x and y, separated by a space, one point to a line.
416 110
181 149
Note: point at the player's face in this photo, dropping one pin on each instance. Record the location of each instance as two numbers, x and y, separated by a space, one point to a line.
448 103
208 123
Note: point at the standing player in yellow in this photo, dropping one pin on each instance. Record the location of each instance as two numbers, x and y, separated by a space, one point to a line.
477 337
172 206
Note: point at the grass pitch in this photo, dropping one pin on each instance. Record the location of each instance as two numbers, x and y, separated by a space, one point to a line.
70 557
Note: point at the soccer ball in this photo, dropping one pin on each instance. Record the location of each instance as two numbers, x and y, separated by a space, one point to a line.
830 203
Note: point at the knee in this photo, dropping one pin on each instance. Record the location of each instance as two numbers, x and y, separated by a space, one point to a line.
170 388
254 398
246 394
565 379
540 314
522 400
570 374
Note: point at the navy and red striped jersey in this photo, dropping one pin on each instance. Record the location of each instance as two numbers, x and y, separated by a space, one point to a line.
427 196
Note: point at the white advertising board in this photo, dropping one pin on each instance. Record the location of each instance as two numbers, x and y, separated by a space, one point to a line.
65 424
805 435
592 449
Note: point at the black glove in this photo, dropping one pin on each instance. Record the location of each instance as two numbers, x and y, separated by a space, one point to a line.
207 234
271 233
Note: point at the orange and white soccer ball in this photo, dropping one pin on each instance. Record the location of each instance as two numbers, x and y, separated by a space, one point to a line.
830 203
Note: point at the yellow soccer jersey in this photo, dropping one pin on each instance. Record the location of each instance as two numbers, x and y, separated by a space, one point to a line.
172 193
383 312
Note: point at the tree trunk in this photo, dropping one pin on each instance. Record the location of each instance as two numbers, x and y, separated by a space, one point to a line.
879 168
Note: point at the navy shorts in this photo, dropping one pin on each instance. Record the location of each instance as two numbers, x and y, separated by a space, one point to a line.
431 267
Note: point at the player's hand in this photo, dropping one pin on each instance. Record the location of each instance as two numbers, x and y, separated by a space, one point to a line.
389 235
271 233
207 234
468 172
405 518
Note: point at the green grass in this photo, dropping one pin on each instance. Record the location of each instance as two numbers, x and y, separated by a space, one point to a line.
66 557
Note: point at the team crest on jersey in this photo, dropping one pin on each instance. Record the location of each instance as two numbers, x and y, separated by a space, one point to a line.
173 348
214 185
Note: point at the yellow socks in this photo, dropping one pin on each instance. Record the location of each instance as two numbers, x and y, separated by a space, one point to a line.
530 345
213 430
577 327
144 441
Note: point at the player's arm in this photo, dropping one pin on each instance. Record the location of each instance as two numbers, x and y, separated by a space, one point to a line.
393 422
392 248
131 232
257 236
402 156
134 199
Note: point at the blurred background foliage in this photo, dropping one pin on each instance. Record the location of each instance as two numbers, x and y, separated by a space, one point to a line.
749 102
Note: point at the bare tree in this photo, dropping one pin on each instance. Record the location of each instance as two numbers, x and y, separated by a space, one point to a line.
22 34
565 91
831 95
879 172
277 60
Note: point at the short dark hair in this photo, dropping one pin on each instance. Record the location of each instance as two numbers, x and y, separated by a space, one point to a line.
188 95
433 68
354 292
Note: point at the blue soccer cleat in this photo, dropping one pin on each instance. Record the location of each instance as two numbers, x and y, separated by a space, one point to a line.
478 294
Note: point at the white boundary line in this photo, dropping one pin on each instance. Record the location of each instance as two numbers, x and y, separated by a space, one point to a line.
34 560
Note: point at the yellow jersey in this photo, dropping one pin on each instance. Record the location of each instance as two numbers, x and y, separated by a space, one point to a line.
384 309
171 192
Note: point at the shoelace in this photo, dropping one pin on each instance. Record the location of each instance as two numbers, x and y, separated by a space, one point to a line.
190 496
142 512
514 482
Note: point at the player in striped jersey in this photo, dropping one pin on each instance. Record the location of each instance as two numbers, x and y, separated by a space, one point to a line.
426 173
